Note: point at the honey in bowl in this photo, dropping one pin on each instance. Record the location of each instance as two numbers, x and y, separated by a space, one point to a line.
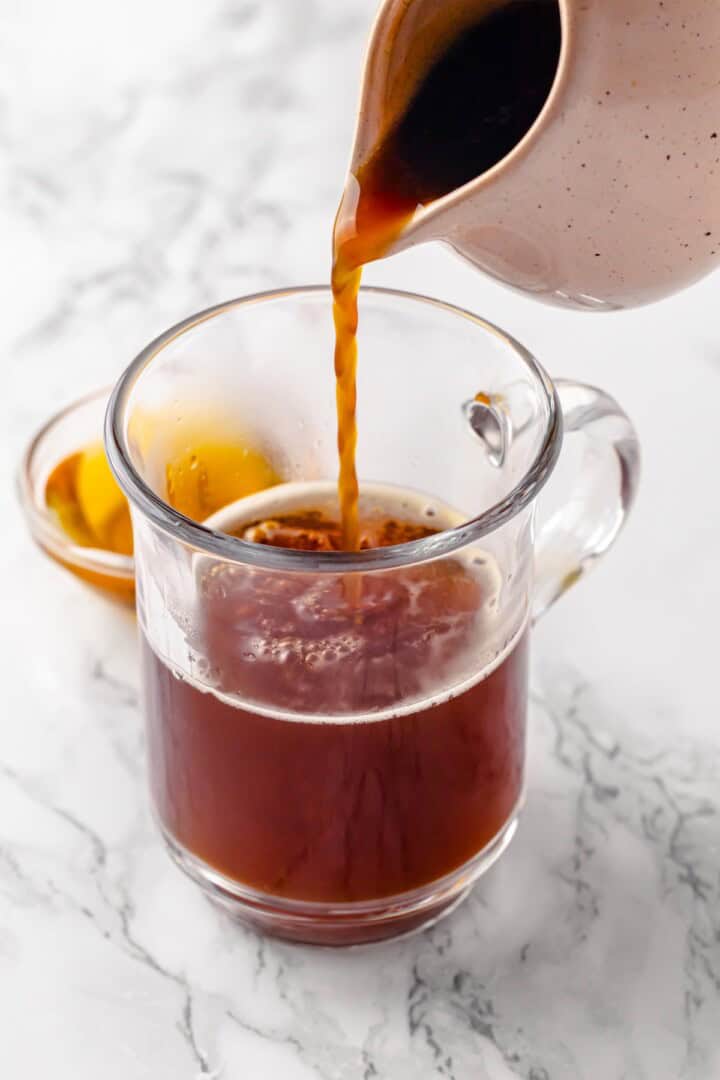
210 475
87 503
203 475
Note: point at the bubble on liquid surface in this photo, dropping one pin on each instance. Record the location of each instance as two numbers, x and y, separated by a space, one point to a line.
339 643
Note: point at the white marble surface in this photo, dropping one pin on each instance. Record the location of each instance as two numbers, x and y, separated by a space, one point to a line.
157 157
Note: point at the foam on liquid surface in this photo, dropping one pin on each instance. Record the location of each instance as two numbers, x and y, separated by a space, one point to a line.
342 647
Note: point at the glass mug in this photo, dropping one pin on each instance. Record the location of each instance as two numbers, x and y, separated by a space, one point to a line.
337 740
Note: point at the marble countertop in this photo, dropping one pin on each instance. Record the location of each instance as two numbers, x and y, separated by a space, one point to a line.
159 157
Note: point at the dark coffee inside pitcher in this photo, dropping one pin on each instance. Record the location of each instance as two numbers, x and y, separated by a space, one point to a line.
474 105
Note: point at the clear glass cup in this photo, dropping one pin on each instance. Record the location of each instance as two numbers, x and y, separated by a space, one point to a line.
337 740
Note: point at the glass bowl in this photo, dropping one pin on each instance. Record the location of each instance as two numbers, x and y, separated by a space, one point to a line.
74 427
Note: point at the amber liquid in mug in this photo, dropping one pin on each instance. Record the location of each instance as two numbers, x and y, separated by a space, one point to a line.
470 109
390 782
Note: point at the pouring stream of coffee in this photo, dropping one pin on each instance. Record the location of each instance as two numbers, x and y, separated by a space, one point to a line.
467 112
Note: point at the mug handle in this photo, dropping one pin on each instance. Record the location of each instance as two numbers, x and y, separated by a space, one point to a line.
575 537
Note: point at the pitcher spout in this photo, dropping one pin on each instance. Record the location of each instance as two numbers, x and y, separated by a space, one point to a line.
608 199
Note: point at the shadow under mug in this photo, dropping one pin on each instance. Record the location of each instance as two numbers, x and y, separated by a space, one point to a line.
337 740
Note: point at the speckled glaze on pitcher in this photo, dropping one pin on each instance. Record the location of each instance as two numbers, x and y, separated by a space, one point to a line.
612 199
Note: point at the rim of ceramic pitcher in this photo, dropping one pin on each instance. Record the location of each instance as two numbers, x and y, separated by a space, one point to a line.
223 546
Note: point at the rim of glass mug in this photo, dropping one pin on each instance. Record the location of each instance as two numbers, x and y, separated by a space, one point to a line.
259 555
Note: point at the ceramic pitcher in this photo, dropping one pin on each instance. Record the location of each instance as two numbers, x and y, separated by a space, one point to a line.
612 198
